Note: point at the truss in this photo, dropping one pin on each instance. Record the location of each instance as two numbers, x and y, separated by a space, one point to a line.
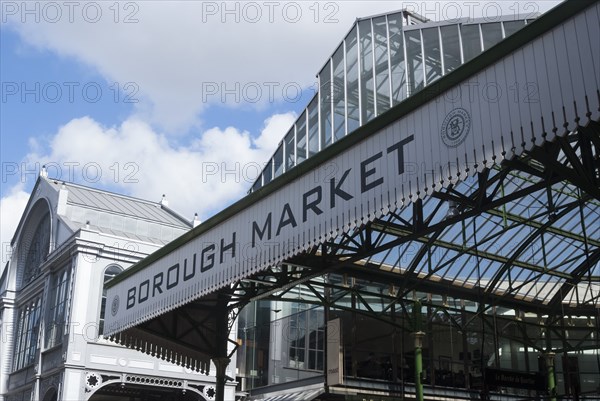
525 234
522 236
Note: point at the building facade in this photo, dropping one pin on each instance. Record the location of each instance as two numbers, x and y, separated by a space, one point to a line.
69 242
466 345
465 349
426 230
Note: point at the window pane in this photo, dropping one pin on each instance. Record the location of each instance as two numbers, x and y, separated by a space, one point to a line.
415 60
312 359
301 138
511 27
57 301
382 75
352 80
492 34
397 58
19 338
32 345
433 62
297 340
313 128
268 173
289 150
302 319
109 274
451 47
366 58
38 250
278 161
339 104
24 330
27 344
470 41
257 184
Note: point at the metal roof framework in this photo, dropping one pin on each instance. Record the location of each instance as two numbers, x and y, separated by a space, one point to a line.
373 69
523 234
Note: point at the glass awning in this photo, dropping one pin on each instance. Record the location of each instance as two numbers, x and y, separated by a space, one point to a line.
542 246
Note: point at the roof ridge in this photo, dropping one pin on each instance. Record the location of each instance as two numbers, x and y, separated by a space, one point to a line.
97 190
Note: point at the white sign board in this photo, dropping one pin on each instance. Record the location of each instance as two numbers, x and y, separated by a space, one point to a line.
335 365
522 100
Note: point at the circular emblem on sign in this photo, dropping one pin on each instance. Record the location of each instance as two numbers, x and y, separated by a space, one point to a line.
114 306
456 127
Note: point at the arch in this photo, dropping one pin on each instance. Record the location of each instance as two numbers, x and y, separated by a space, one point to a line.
51 395
109 272
34 242
116 390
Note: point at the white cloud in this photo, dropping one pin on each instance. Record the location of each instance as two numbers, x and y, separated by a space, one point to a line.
176 52
204 176
12 206
276 127
213 171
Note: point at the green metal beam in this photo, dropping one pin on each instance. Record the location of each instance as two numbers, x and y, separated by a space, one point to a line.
535 224
400 231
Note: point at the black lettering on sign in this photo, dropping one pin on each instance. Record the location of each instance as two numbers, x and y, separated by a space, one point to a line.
287 217
173 276
186 275
399 147
364 174
224 248
131 298
261 233
335 190
207 258
144 288
156 283
306 205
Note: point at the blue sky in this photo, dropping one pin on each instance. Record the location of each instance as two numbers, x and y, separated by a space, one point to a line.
152 97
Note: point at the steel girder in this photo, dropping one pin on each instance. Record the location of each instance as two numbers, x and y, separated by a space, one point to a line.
471 241
553 183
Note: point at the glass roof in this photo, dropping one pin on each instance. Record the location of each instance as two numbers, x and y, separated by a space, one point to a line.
383 60
523 249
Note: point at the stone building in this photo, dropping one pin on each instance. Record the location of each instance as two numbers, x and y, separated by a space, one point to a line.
70 240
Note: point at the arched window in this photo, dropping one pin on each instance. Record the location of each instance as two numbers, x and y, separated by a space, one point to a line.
37 250
109 273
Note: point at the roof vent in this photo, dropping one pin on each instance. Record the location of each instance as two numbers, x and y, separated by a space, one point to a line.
44 172
196 221
164 201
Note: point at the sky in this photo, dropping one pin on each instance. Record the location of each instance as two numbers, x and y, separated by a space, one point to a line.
183 98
